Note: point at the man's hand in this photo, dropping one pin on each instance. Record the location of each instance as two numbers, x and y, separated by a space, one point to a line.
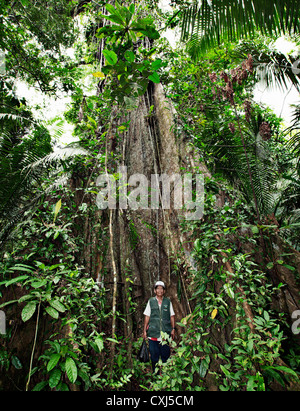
173 326
146 323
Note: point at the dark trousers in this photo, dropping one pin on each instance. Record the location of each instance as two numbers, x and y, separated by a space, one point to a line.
158 350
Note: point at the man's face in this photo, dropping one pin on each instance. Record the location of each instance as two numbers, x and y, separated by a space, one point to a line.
159 291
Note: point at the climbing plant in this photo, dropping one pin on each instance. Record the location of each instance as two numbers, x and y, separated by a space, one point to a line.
72 281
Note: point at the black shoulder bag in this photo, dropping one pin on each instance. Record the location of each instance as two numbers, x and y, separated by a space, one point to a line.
143 355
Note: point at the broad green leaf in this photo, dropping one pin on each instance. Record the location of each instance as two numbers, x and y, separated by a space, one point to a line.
28 311
71 370
54 377
197 244
115 19
99 343
112 340
286 369
54 266
58 306
56 210
25 297
204 365
155 65
40 265
225 371
289 267
52 311
250 345
8 303
22 267
53 361
275 375
145 29
56 234
259 321
251 384
40 385
129 55
110 8
62 386
91 120
110 56
228 290
38 283
57 346
201 289
15 280
154 77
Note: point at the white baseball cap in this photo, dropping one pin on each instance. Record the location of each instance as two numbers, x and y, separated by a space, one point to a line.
159 283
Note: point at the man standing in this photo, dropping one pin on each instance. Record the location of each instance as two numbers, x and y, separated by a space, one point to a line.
159 317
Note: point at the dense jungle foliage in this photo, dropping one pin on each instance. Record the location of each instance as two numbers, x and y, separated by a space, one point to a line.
72 285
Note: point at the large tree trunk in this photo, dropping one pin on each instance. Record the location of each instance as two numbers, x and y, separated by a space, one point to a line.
150 147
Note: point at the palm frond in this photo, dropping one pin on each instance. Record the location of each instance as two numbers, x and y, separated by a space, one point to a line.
231 162
263 177
11 116
270 65
294 132
296 114
287 209
60 154
213 22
